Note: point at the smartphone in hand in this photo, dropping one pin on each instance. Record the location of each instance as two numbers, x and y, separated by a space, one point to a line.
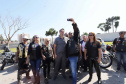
69 19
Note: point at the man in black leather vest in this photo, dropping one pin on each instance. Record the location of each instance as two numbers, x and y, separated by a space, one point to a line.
119 46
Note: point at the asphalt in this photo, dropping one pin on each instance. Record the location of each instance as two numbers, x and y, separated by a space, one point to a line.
108 76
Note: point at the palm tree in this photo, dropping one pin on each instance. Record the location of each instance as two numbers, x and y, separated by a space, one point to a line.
51 32
104 26
114 22
110 23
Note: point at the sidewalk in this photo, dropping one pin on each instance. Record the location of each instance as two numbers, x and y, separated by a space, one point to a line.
109 76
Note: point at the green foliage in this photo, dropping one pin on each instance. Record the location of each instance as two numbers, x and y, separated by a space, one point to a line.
51 32
110 23
114 22
85 33
104 26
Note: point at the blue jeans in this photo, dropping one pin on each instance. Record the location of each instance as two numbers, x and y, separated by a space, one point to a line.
121 56
73 65
35 65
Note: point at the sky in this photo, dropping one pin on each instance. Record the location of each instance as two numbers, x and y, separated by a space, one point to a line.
41 15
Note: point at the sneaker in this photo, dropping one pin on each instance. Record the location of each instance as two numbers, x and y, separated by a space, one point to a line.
78 72
118 69
99 81
46 81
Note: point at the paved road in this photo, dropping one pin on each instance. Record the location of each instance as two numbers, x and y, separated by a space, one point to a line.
109 76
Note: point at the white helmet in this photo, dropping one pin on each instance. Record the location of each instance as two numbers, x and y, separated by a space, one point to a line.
25 37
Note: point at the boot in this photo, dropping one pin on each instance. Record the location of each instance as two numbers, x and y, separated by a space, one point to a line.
35 80
38 80
48 76
27 76
90 78
46 81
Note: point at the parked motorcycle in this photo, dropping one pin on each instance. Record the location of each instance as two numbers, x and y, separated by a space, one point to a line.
107 56
8 57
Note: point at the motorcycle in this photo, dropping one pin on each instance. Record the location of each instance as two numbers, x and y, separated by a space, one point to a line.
106 59
8 57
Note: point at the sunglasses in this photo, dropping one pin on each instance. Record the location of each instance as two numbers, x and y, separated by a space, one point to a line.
91 35
25 39
121 32
36 37
47 41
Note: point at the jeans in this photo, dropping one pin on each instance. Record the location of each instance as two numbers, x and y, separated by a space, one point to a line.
73 65
121 56
35 65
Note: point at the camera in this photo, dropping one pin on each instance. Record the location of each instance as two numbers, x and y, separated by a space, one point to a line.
69 19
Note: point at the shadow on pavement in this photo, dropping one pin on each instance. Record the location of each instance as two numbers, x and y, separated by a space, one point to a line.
114 77
9 68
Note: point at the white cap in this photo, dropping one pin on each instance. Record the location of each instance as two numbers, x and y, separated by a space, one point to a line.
25 37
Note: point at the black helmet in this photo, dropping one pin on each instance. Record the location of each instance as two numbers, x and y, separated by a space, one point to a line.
108 48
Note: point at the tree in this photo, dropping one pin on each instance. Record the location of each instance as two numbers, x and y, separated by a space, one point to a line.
110 23
1 38
85 33
11 26
51 32
104 27
114 22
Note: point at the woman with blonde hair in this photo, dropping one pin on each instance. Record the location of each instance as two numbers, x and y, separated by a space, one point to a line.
47 54
93 51
34 53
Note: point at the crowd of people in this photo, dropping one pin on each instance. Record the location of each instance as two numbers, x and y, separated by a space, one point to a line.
66 46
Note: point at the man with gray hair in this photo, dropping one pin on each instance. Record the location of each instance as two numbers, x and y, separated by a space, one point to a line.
60 53
83 42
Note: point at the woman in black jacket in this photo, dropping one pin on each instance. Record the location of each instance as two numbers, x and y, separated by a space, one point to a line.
47 54
93 51
34 53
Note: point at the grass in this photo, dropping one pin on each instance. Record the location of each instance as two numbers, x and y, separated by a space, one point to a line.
109 43
12 49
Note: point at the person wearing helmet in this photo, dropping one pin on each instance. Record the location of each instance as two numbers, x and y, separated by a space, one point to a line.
21 56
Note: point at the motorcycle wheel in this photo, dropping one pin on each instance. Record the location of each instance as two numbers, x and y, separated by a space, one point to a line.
106 61
3 65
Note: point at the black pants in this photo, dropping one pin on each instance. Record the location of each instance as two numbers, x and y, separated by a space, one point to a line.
97 68
46 65
22 65
84 62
